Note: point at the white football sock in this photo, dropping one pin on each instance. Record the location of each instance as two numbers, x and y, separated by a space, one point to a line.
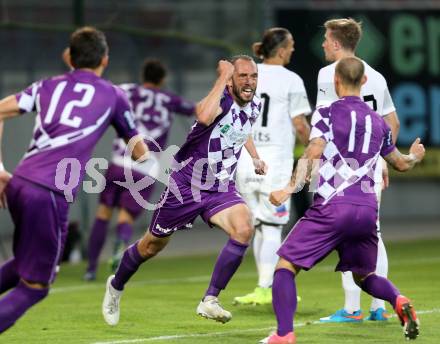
268 255
256 245
352 293
381 270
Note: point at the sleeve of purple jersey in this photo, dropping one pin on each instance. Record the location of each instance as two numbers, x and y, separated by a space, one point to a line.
182 106
226 101
388 145
26 99
123 119
320 124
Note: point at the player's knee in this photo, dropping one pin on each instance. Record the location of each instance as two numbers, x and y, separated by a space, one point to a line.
124 216
37 286
148 250
104 212
359 279
243 232
150 246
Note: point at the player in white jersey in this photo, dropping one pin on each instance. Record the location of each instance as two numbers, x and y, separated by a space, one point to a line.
341 39
283 116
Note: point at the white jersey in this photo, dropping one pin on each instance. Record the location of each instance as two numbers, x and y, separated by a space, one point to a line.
374 92
284 97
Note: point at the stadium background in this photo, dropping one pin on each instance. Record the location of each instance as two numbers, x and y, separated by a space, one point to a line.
401 40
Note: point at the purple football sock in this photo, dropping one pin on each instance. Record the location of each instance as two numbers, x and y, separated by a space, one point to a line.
96 242
284 300
17 302
9 277
125 232
380 288
227 263
131 260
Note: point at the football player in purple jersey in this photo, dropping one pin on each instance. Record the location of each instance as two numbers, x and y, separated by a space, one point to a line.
73 110
203 185
154 110
348 137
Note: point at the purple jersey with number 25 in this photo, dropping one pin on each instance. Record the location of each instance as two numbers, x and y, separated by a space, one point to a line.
73 112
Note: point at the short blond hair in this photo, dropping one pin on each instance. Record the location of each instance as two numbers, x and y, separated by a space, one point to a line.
346 31
350 70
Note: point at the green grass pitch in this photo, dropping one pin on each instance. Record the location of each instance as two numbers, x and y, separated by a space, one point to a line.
159 304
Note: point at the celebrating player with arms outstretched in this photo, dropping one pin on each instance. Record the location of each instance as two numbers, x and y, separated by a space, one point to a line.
341 39
348 137
204 185
285 104
73 112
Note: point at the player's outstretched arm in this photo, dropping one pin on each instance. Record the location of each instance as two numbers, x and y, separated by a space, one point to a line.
259 165
209 107
393 122
8 108
302 173
405 162
138 148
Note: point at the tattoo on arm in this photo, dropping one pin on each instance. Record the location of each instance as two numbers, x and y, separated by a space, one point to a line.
399 161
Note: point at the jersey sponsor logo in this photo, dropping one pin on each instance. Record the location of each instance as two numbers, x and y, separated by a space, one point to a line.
232 136
260 137
159 228
281 211
257 179
225 129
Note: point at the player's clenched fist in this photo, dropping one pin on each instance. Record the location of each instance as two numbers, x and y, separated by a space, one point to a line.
278 197
259 166
225 68
417 150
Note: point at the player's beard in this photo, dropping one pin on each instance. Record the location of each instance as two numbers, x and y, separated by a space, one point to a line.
237 91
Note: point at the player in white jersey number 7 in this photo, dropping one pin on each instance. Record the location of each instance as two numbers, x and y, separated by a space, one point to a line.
283 117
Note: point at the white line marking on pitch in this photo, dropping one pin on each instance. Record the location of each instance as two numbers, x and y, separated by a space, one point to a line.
225 333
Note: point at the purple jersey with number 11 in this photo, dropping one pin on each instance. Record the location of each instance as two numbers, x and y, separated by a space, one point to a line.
344 212
355 136
73 112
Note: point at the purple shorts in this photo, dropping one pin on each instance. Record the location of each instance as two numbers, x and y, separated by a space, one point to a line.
174 215
40 217
347 228
115 195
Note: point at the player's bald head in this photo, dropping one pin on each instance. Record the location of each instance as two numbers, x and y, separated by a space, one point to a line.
350 71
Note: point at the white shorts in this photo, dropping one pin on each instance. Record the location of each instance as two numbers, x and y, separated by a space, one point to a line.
255 189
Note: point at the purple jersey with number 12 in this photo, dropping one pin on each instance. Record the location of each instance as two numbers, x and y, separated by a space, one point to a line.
73 112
